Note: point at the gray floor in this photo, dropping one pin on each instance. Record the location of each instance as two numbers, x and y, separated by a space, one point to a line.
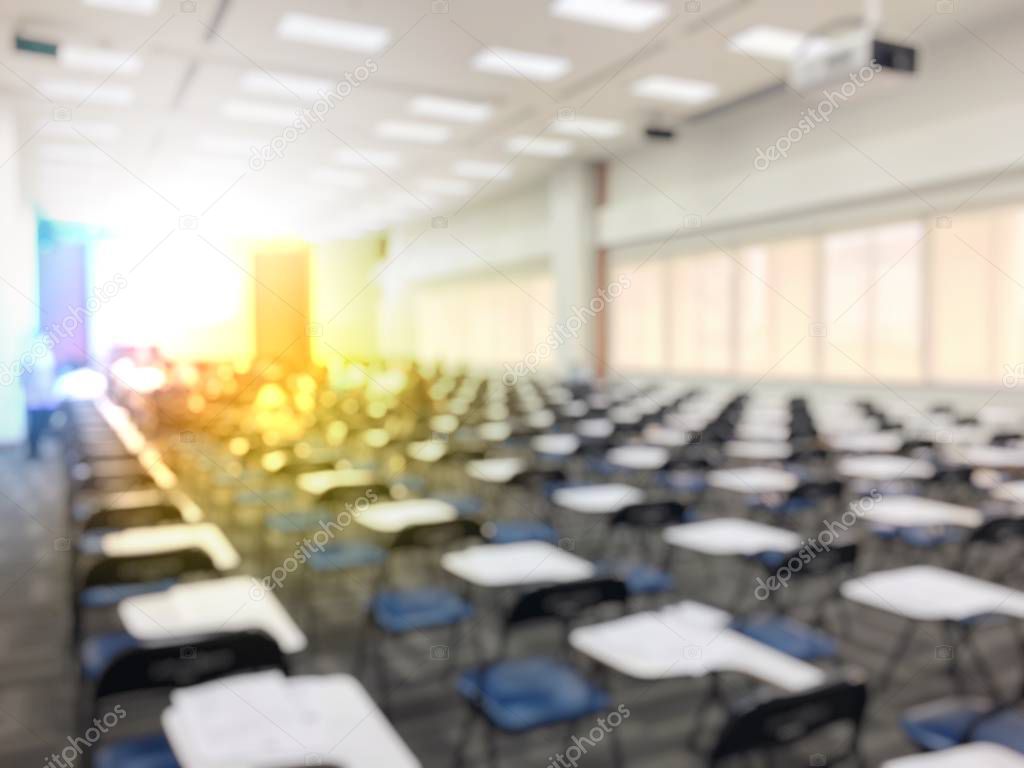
37 677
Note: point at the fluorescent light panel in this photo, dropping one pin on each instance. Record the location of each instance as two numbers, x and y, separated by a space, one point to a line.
455 110
768 42
367 158
512 63
96 93
103 60
258 112
675 89
332 33
420 133
539 146
284 84
596 127
629 15
140 7
480 169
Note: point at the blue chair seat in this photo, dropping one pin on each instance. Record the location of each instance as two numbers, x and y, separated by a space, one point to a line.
510 531
522 694
787 635
297 522
399 611
947 722
640 579
110 595
466 506
99 650
345 556
930 538
142 752
414 484
690 481
771 560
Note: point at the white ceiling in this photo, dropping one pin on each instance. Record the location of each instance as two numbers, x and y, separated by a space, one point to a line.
176 154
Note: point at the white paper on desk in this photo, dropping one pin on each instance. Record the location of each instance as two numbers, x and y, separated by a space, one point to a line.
253 720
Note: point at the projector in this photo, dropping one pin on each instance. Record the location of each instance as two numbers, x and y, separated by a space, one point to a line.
849 56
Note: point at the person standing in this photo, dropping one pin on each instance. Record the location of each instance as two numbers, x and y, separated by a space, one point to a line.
40 399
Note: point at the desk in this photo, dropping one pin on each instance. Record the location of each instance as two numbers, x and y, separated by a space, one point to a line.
203 607
688 639
526 563
866 442
598 499
987 456
157 539
391 517
320 720
976 755
595 429
499 470
427 451
753 481
885 468
556 444
917 511
318 483
758 450
731 536
642 458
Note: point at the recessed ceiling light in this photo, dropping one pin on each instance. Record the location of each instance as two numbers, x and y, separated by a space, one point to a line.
339 178
770 42
332 33
446 186
97 93
595 127
479 169
630 15
228 145
258 112
539 146
421 133
456 110
677 89
141 7
286 85
98 131
510 63
367 158
104 60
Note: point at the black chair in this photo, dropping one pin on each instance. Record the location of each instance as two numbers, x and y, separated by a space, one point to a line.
163 667
539 526
1002 533
518 695
764 724
639 526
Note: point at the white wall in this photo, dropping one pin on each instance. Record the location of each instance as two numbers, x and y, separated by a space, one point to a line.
18 282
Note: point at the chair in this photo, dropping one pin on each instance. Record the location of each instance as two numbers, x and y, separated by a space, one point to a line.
765 723
959 719
518 695
647 574
175 665
397 612
539 528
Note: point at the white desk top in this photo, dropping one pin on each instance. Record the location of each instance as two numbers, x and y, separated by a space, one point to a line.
688 639
598 499
731 536
499 470
156 539
266 720
666 437
638 457
427 451
927 593
556 444
540 419
759 432
867 442
202 607
885 467
575 409
321 481
977 754
758 450
914 511
445 423
517 564
987 456
753 480
1010 491
595 428
494 431
390 517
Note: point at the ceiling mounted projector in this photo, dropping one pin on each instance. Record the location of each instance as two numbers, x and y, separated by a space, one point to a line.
848 55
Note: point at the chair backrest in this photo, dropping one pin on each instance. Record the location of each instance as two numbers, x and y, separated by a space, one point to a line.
819 489
436 536
764 724
651 514
190 661
566 601
349 494
999 530
146 568
831 561
154 514
538 479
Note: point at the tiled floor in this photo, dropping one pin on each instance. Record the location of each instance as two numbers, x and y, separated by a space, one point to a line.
37 679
